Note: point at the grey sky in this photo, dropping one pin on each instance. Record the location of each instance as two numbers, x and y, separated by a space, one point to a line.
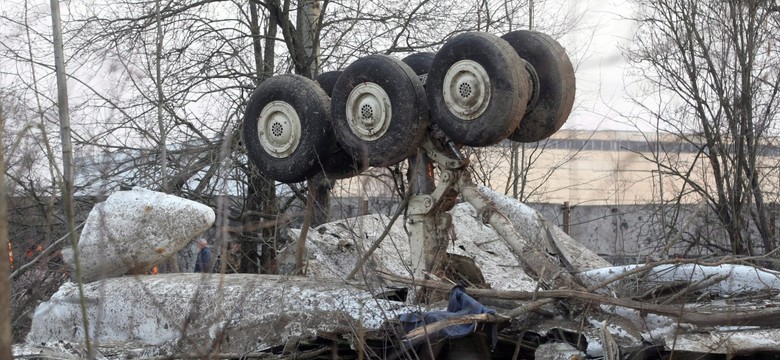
600 68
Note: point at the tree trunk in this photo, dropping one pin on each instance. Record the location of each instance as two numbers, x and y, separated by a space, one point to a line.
270 43
308 17
321 197
260 199
67 157
257 47
6 337
309 14
160 98
261 191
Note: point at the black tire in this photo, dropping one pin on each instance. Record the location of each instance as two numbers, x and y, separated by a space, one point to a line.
555 83
327 81
477 105
339 165
420 62
287 99
379 110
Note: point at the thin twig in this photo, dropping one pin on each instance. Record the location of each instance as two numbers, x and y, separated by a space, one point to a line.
257 355
687 223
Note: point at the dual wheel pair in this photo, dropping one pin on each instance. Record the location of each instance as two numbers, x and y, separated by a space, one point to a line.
478 89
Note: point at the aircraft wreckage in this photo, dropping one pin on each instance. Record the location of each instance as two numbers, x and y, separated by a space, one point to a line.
466 273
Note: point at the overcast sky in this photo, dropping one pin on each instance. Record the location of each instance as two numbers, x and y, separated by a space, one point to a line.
594 46
600 68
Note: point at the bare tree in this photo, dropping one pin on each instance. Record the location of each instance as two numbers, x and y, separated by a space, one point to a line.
712 69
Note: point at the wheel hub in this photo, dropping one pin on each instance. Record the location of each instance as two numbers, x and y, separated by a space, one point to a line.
279 129
368 111
466 89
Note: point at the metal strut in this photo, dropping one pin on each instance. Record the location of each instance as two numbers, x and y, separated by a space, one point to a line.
428 220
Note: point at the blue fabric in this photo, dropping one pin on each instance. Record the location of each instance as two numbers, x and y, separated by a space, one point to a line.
203 260
460 304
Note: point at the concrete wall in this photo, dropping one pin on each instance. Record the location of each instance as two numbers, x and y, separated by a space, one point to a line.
621 233
632 233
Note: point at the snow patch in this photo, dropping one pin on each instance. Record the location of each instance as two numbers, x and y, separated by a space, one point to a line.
739 279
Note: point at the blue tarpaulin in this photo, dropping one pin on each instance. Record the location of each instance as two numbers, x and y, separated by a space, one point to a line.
460 304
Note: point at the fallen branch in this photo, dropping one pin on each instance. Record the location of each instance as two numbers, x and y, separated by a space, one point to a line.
703 283
526 308
424 330
758 317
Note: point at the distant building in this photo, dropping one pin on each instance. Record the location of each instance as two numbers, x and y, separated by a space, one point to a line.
581 167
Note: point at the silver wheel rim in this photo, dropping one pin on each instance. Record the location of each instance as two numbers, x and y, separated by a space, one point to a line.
368 111
466 89
279 129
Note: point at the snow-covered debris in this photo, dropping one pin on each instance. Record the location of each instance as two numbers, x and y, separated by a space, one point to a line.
491 254
135 230
190 313
178 313
541 233
734 279
333 249
651 327
558 351
727 341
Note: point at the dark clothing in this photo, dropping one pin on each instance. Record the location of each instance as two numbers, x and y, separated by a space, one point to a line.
203 261
460 304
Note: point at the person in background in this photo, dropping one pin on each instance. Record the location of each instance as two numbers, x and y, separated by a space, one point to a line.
233 257
203 261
